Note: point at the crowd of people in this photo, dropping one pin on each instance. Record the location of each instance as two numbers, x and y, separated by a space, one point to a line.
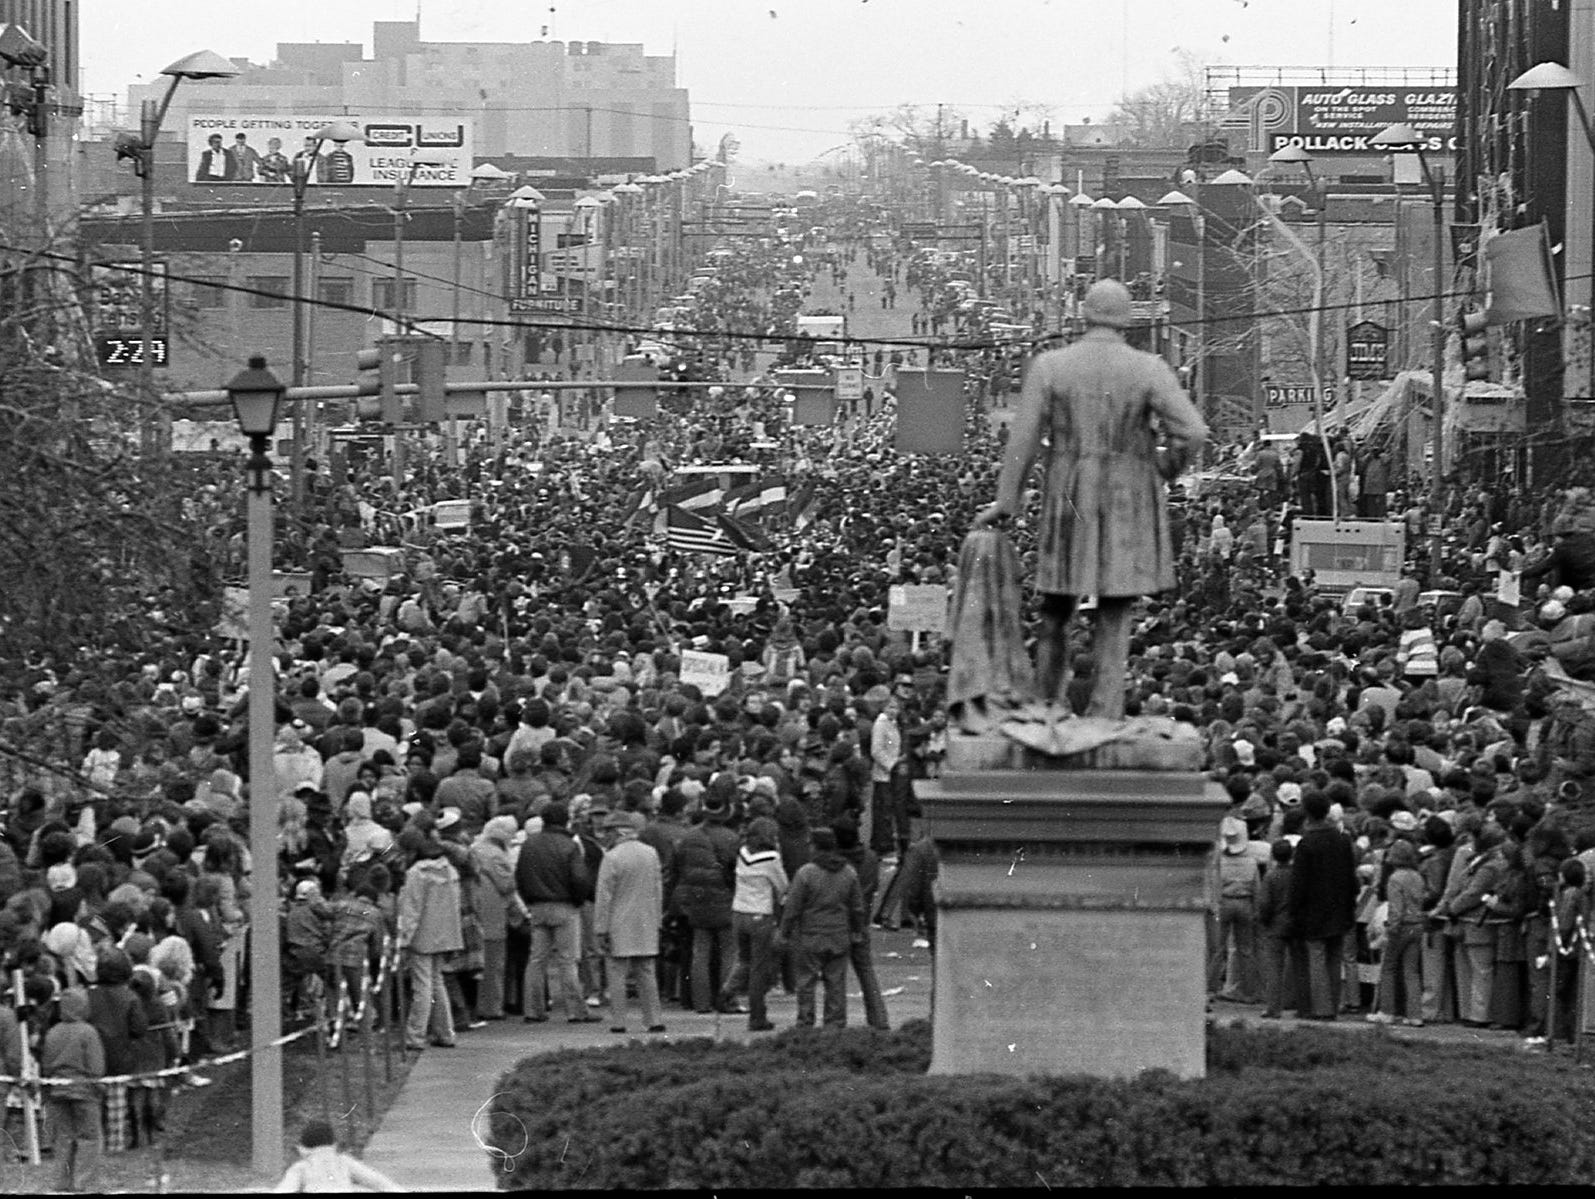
490 766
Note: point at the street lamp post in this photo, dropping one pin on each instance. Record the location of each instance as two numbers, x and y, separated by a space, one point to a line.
301 170
1403 138
256 396
1198 375
1554 77
140 147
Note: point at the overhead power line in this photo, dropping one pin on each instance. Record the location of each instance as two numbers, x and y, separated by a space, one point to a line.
927 342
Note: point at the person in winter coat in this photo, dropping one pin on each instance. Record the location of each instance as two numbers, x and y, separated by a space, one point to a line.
354 941
1439 978
72 1049
628 907
761 884
1471 908
552 879
1322 902
306 935
792 827
705 885
119 1018
824 915
1572 909
1403 892
860 953
156 1050
916 891
429 930
493 896
1275 938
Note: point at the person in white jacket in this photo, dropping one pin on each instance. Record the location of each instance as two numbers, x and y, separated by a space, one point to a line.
886 765
761 886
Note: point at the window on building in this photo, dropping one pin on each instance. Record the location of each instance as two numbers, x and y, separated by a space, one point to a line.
208 291
464 352
268 291
335 291
382 295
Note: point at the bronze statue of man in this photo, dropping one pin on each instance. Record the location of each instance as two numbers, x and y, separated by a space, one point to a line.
1100 406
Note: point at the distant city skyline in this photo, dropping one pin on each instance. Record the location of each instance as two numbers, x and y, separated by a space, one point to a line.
787 79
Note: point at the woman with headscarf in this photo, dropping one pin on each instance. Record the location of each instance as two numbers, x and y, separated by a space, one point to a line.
494 897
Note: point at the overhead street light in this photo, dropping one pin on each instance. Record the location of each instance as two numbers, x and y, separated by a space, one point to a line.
140 147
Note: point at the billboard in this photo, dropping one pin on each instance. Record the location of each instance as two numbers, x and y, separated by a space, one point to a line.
1340 120
258 149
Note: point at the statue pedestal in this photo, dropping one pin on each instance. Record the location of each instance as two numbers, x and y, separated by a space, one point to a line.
1071 909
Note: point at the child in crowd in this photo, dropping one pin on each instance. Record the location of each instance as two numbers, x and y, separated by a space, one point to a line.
323 1168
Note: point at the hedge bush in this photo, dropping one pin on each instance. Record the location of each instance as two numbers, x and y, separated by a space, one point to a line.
854 1108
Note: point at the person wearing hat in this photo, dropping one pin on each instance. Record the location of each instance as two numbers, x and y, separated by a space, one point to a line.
1238 881
429 931
1104 524
628 907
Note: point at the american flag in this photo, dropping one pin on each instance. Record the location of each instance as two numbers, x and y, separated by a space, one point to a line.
688 533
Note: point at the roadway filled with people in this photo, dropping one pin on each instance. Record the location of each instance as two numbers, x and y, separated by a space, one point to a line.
561 756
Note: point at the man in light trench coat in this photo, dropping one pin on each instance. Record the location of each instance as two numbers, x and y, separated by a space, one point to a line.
627 911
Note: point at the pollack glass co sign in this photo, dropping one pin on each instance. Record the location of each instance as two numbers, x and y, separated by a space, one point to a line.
258 150
1340 120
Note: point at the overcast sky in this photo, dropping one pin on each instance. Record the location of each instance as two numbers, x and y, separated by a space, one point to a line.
787 75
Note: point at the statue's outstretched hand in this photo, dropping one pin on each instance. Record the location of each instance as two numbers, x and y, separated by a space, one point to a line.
1173 459
991 514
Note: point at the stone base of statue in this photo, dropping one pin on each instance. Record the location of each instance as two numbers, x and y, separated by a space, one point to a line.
1071 905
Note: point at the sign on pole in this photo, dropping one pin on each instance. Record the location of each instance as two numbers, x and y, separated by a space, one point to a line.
850 383
1283 396
709 673
118 314
917 608
530 264
1367 351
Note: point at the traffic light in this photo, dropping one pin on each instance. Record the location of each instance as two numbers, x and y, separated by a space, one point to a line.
430 376
384 360
1474 342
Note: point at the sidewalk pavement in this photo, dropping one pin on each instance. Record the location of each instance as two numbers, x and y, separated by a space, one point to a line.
428 1141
